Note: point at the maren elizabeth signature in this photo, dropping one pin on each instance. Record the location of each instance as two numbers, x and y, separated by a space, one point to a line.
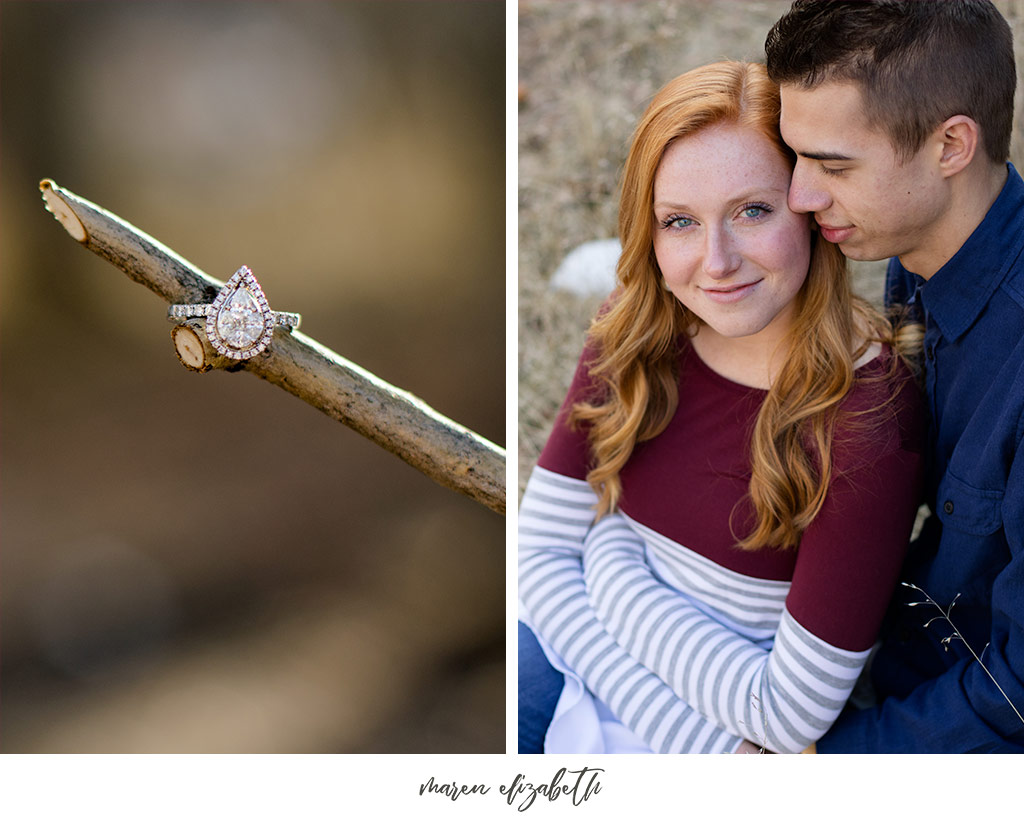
575 786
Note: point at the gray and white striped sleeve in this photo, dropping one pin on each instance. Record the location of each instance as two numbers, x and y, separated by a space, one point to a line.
784 699
555 516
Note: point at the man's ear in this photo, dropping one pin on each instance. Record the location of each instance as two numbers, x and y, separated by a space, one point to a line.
960 137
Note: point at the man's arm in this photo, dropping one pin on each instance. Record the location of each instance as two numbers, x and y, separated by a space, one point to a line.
968 708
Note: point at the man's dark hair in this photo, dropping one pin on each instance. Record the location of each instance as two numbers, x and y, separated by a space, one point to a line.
917 63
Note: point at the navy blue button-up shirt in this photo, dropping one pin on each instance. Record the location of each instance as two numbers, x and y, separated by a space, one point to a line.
934 696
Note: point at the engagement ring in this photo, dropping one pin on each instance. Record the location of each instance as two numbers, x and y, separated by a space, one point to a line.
239 322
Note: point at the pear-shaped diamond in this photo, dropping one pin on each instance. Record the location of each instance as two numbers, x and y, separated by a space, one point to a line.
240 322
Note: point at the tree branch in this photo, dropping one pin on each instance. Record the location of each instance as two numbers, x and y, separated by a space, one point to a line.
445 451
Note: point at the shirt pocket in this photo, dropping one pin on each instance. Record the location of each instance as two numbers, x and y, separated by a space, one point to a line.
967 508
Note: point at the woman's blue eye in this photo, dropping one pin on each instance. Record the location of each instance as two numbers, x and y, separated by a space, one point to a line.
755 210
676 222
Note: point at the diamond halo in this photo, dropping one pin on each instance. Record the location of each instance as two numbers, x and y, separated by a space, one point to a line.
239 322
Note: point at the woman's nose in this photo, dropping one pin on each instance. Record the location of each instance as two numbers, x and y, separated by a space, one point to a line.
721 257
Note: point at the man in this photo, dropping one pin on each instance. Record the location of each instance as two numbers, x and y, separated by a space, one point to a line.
900 114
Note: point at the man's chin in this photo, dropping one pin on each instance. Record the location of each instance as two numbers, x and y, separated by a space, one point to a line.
856 252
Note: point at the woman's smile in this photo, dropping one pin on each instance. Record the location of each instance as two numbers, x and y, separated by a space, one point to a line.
731 294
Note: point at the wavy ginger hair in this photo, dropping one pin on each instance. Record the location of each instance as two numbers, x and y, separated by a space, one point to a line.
636 337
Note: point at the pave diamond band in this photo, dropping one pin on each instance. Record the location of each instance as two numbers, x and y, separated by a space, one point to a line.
239 322
180 311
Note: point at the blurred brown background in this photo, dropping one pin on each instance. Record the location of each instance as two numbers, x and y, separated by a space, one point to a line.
587 69
162 590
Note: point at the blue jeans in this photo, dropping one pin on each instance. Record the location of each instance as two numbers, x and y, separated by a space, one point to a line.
540 685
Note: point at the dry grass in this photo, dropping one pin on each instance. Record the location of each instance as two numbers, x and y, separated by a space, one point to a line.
586 71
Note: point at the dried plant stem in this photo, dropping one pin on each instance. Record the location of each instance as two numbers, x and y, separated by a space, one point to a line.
445 451
764 723
944 613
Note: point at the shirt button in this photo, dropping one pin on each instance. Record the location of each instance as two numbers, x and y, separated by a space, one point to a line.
948 507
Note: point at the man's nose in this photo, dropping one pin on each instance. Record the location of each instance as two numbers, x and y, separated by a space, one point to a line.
805 193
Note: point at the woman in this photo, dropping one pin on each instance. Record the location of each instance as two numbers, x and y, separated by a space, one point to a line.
715 526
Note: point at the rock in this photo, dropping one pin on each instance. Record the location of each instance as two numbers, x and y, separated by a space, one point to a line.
589 269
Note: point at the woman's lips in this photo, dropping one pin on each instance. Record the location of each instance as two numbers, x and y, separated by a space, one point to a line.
835 234
730 294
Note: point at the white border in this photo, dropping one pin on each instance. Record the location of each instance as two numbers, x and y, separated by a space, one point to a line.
511 367
311 789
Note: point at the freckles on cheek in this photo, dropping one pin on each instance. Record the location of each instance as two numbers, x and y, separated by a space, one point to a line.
800 245
789 251
669 264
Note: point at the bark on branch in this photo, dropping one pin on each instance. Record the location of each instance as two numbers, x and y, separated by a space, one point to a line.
451 454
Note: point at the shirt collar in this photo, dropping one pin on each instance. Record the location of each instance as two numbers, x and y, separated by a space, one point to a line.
957 293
